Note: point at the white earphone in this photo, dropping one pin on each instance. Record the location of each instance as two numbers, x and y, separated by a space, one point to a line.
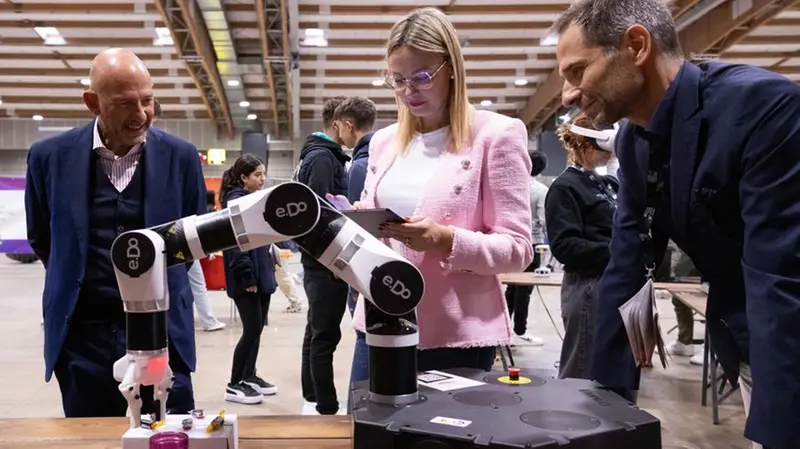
604 139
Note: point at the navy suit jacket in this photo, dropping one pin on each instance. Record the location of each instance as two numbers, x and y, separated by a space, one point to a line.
733 206
57 212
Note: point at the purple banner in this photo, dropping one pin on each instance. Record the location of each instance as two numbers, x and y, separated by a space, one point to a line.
12 216
12 183
15 247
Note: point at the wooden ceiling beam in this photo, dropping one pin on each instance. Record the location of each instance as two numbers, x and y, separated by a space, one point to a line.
715 31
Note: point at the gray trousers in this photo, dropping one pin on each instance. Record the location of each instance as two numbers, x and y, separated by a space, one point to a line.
578 311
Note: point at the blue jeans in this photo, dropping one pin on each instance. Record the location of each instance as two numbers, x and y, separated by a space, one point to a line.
197 281
359 370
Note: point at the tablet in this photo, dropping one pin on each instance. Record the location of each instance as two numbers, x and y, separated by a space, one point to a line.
371 219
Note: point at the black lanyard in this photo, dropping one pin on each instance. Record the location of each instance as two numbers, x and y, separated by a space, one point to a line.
605 189
655 189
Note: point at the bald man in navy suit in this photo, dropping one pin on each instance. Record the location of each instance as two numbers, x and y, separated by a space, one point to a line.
84 188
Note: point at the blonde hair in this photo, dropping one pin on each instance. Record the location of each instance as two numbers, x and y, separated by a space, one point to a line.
428 30
576 145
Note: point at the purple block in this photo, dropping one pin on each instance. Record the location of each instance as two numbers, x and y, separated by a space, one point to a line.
7 183
15 247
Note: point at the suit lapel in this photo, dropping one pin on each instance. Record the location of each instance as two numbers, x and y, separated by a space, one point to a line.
75 184
157 163
686 133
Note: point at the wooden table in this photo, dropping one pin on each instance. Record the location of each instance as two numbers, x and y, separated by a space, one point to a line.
554 280
273 432
267 432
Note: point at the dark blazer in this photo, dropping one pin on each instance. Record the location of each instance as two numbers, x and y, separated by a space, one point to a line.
734 208
57 213
357 173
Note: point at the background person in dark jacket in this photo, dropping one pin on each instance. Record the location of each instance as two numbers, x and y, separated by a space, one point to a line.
578 211
250 282
322 168
354 119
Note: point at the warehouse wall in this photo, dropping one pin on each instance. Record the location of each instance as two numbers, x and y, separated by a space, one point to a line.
17 135
309 126
22 133
280 166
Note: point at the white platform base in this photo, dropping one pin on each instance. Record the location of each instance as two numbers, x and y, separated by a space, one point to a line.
225 438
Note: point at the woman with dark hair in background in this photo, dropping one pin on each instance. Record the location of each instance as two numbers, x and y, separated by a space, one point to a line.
250 282
579 209
518 297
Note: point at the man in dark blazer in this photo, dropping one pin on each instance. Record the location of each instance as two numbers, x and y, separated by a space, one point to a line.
85 187
728 137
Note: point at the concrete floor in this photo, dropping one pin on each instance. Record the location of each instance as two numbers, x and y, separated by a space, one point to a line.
672 395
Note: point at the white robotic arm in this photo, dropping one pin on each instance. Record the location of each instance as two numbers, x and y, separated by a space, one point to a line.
283 212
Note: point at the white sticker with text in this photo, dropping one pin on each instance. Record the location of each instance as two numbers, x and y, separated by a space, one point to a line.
451 421
445 381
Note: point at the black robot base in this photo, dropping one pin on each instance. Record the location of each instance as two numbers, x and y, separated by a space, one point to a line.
464 408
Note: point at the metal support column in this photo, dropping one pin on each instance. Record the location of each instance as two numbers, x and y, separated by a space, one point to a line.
272 23
193 44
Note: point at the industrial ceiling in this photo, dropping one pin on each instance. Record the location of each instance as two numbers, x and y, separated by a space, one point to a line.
268 64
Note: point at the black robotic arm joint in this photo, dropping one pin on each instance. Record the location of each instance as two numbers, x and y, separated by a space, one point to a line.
133 253
396 287
324 233
292 209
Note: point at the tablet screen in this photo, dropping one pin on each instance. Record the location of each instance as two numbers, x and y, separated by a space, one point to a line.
371 219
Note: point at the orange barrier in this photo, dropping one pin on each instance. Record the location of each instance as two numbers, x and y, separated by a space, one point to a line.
214 272
214 184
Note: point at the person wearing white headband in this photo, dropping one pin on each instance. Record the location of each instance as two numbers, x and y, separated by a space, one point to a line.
602 139
579 209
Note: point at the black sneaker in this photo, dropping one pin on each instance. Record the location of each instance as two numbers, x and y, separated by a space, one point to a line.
242 393
260 385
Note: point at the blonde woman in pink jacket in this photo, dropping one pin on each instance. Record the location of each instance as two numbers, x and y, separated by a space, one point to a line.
460 178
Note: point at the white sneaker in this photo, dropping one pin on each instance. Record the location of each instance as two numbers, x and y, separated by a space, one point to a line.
309 408
261 386
242 394
219 325
697 359
679 349
527 339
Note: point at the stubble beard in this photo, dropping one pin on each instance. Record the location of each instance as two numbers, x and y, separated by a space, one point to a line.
624 89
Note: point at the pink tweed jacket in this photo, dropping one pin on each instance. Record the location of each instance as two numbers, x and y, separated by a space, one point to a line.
482 192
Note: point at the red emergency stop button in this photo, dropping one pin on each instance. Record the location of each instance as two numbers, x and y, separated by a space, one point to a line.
513 374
